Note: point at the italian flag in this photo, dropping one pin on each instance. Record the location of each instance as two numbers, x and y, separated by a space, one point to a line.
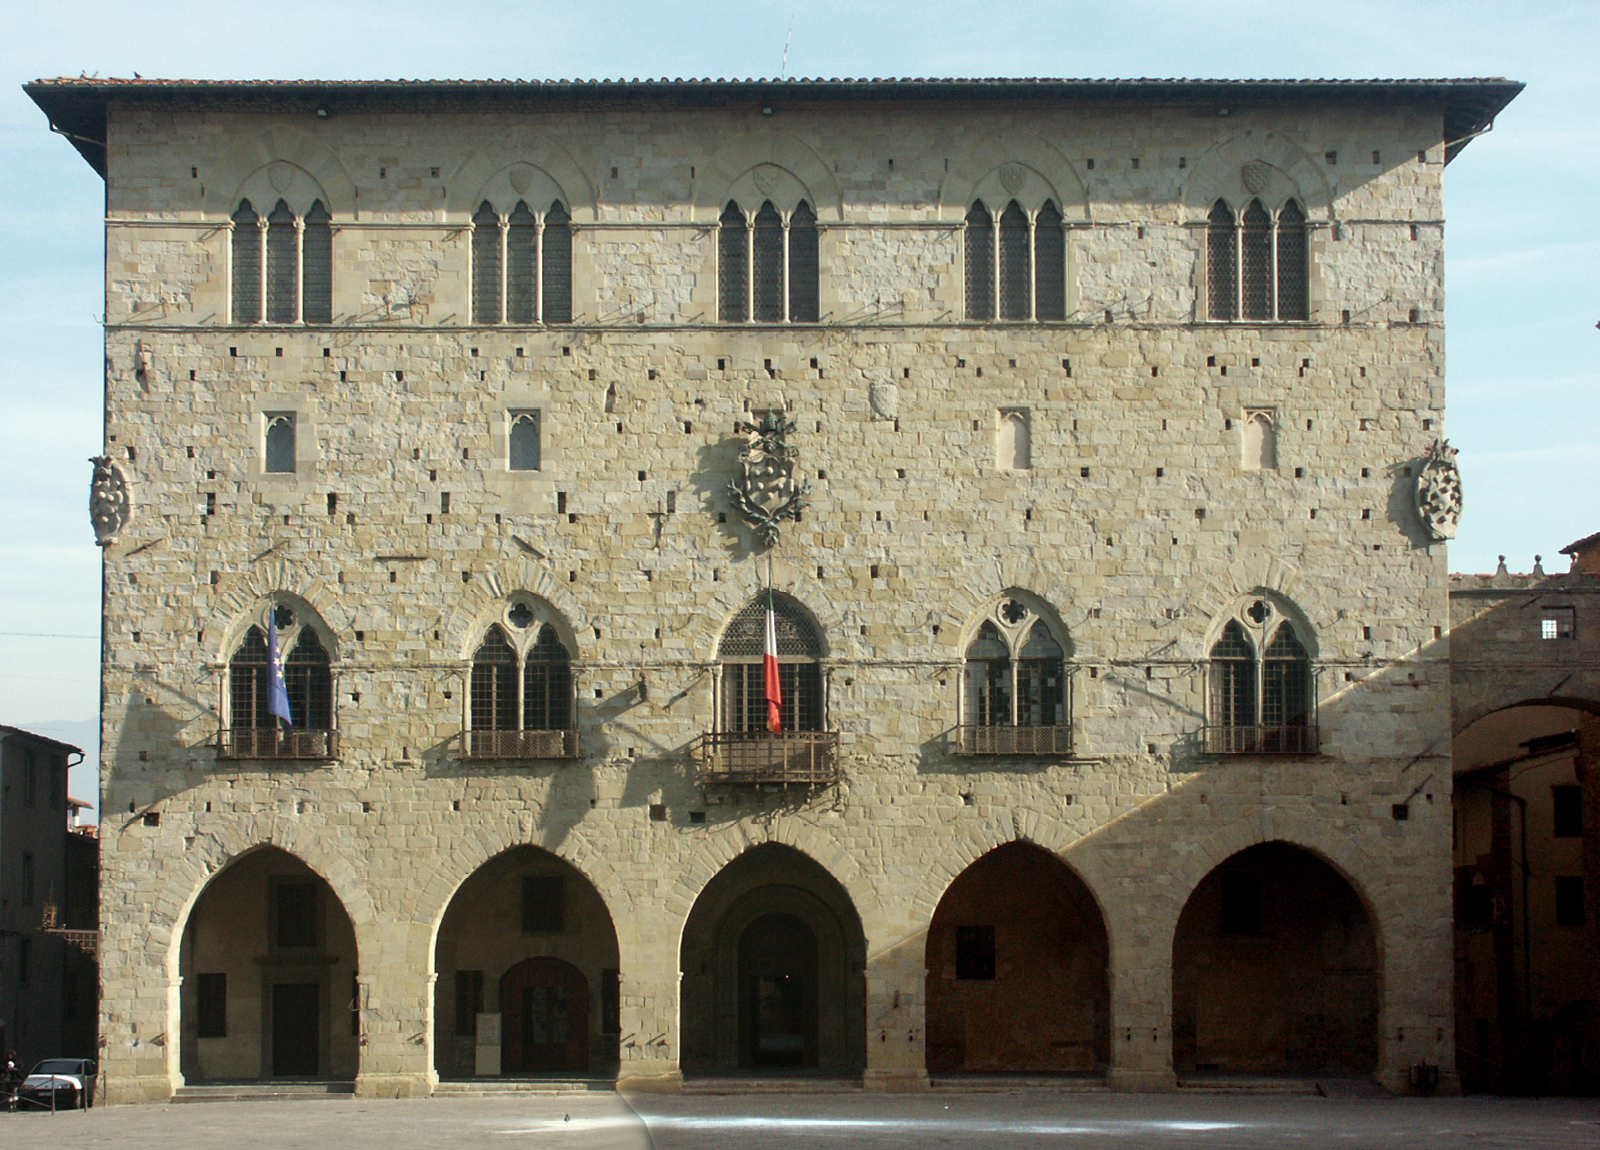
774 687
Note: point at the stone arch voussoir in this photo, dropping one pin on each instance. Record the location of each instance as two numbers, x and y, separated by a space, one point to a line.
959 851
525 147
971 170
765 145
1291 170
462 627
295 146
234 610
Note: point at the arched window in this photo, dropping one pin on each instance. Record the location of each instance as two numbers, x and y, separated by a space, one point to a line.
1014 697
745 748
1022 270
1261 697
1013 450
283 265
255 730
485 264
522 265
733 265
246 264
1260 441
520 703
279 453
1256 267
767 268
316 279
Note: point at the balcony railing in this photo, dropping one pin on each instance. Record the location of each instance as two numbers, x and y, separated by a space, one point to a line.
273 743
973 739
519 744
751 758
1301 739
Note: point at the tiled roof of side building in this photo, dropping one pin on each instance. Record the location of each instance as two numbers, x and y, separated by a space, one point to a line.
77 106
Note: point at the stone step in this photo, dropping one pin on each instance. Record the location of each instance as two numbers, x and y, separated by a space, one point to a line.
775 1084
265 1091
1246 1084
1004 1083
483 1087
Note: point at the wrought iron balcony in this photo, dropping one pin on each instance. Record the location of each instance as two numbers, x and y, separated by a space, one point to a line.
273 743
974 739
751 758
1299 739
480 745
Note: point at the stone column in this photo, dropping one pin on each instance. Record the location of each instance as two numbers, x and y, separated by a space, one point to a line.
1141 1008
397 1023
896 978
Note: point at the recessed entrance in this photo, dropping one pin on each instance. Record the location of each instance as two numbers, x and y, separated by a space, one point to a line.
296 1027
778 992
545 1003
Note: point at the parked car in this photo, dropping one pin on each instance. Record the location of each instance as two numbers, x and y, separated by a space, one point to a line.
58 1084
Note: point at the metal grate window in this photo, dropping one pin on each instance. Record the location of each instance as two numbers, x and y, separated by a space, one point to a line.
988 679
1285 682
1049 265
732 247
246 264
316 278
768 265
309 679
1221 263
1014 270
1293 272
980 263
804 270
547 684
744 696
247 683
494 684
283 265
556 305
1040 680
522 264
1255 244
485 265
745 637
1233 674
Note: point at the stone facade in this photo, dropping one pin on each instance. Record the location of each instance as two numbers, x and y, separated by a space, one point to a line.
1138 525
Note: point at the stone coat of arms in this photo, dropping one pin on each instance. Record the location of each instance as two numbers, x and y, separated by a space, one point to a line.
766 492
110 506
1438 492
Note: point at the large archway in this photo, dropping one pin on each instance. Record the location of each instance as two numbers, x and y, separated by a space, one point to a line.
527 973
1017 969
1525 853
1275 970
268 962
772 959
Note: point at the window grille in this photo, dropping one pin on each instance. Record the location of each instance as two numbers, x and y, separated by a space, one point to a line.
283 265
1221 263
524 436
494 684
247 683
1293 272
547 684
1040 681
1261 698
1049 265
522 265
280 446
316 249
1014 687
768 264
980 263
1233 695
732 265
988 673
745 637
1286 681
246 264
556 303
804 269
742 653
1255 245
1014 270
309 681
486 265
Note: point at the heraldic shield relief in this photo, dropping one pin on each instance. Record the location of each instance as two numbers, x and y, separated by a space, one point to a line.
766 492
1439 491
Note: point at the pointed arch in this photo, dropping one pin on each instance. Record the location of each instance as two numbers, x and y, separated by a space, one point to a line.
540 170
284 160
788 167
1012 163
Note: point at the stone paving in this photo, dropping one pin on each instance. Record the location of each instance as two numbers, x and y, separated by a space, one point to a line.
804 1121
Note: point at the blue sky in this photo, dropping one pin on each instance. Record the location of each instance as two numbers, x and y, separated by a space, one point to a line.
1523 244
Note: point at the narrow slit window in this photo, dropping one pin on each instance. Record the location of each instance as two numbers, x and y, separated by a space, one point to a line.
1221 257
524 440
804 269
1014 270
1293 283
283 265
246 264
557 285
769 278
316 283
1256 262
733 238
980 263
1049 265
486 264
522 264
280 442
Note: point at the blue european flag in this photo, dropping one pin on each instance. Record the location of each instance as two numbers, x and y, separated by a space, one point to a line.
277 690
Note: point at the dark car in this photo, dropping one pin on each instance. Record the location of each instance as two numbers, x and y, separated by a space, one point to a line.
58 1084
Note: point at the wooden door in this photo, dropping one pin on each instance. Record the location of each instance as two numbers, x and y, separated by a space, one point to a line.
296 1029
544 1004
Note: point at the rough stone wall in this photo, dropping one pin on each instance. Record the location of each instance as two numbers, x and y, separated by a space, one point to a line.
911 533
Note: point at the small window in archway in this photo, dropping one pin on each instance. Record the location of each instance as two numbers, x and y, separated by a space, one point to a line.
280 445
524 440
1260 441
1013 441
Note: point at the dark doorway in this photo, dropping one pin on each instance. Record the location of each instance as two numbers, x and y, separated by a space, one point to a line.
545 1004
778 992
296 1025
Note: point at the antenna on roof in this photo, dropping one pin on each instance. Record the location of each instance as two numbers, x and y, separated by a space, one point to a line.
783 70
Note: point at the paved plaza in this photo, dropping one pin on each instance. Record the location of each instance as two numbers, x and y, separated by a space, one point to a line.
603 1121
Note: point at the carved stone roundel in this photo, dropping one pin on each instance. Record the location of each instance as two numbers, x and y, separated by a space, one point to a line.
766 178
1256 175
521 179
280 175
1013 177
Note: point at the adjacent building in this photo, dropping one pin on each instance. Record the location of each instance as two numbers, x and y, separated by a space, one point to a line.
880 579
